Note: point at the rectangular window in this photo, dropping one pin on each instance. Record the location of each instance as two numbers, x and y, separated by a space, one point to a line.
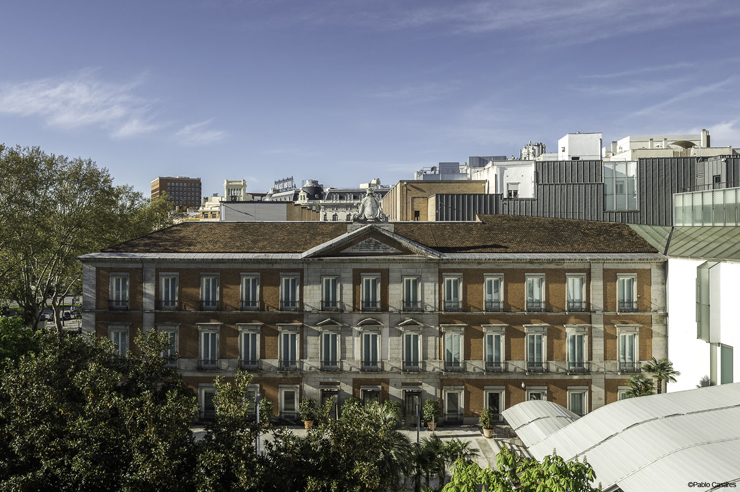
535 293
208 349
495 403
168 292
494 294
494 357
537 393
620 186
249 354
452 352
535 352
370 293
330 351
452 298
411 352
369 395
209 292
250 292
453 406
208 406
626 297
120 338
627 360
726 366
170 354
577 402
333 395
118 291
329 294
576 293
576 349
289 293
289 351
370 351
411 301
289 403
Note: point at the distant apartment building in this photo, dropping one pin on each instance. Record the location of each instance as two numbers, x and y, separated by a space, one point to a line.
410 200
580 146
656 146
184 192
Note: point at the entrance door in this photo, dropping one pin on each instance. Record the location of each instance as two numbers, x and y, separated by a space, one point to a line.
494 405
409 405
452 413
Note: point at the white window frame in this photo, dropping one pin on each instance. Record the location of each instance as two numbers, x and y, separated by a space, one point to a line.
410 364
289 329
203 290
367 364
459 294
568 300
250 329
255 300
375 388
576 330
530 330
328 364
203 329
453 330
119 298
622 392
282 389
578 390
113 331
626 330
163 277
543 291
173 328
337 294
283 291
501 390
536 389
407 304
633 278
488 303
493 331
363 289
460 391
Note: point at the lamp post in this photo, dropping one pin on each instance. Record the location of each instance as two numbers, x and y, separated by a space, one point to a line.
418 419
257 408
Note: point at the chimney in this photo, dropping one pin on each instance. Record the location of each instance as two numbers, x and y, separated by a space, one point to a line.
650 143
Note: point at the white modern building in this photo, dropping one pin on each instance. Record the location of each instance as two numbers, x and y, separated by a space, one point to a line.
580 146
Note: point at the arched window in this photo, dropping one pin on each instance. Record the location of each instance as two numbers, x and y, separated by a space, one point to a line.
349 217
335 217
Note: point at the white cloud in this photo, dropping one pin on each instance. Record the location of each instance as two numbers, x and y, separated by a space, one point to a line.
198 134
639 71
80 100
722 134
691 93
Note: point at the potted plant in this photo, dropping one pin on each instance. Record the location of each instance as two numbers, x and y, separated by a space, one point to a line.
309 411
265 411
432 411
486 421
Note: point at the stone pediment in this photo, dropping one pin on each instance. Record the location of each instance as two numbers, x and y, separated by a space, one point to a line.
374 247
370 241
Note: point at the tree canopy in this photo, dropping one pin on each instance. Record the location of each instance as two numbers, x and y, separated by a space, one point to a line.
55 209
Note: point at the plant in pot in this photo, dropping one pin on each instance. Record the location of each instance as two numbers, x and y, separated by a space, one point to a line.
486 421
432 411
265 412
309 411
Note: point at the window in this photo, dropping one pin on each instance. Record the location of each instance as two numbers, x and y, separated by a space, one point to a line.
411 399
370 293
626 296
512 190
417 215
452 293
627 353
209 292
535 292
289 293
576 292
411 295
119 336
726 367
329 294
494 401
289 402
494 293
494 353
170 354
208 349
370 351
452 351
577 400
411 349
622 393
716 181
249 346
335 217
536 343
250 292
329 351
168 291
331 394
537 393
288 351
118 291
576 352
453 405
620 185
207 405
370 394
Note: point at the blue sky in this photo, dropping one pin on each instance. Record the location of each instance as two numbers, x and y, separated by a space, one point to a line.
349 90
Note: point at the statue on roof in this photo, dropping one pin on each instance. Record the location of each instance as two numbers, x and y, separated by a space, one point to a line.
370 209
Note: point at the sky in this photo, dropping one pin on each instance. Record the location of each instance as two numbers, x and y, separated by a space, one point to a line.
344 91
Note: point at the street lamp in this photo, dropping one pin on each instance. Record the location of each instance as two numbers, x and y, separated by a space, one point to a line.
418 419
257 409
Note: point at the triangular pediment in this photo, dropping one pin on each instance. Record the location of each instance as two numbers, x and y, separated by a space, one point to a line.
370 241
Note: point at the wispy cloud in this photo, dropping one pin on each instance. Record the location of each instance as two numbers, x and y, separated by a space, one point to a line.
688 94
636 87
199 134
412 94
640 71
81 100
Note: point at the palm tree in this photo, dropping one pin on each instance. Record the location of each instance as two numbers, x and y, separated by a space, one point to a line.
639 385
705 382
662 370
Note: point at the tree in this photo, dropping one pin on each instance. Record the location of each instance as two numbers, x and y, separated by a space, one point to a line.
662 370
15 340
516 473
639 385
54 210
78 417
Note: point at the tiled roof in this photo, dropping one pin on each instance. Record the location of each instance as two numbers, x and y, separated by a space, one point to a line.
494 234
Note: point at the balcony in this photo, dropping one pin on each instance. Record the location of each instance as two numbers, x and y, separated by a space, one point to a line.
412 306
495 366
370 366
629 367
370 305
578 367
249 365
577 306
627 307
288 305
251 305
118 305
453 306
535 306
168 305
288 365
330 305
330 365
411 366
207 364
537 367
494 306
453 366
209 305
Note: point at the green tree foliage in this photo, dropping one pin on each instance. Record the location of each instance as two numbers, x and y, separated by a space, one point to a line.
77 417
513 472
639 385
55 209
15 340
662 370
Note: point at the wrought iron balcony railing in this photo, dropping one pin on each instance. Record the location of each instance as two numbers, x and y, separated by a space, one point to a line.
453 365
330 305
578 367
629 367
534 366
249 365
329 365
288 305
495 366
627 306
210 305
370 305
411 366
534 306
207 364
168 305
370 366
288 365
494 306
453 306
577 306
412 306
118 304
250 305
